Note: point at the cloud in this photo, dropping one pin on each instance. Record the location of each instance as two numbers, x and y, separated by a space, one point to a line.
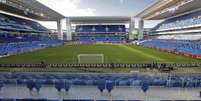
66 8
69 7
121 1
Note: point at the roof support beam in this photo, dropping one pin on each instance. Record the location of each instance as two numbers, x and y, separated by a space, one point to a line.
68 30
59 29
140 29
131 28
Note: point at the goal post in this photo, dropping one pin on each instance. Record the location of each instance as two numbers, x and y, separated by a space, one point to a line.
90 58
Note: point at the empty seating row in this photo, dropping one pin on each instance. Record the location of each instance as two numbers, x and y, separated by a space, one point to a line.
100 28
99 39
82 100
117 80
21 35
100 33
180 22
17 24
10 38
66 85
21 47
177 45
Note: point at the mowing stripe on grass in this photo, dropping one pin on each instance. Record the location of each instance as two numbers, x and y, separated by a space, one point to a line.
142 53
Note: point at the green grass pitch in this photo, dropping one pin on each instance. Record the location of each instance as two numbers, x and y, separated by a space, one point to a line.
114 53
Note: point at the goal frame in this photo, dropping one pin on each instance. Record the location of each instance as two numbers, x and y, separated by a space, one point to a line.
91 55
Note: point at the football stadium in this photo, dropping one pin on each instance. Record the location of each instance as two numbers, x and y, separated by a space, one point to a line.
100 58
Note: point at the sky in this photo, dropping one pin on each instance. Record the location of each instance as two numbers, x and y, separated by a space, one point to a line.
95 8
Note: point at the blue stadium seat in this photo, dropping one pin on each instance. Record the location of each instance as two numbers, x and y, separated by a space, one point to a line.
70 99
30 84
12 81
86 100
31 100
54 100
102 100
1 84
101 85
62 84
109 85
180 100
165 100
7 99
37 84
119 100
145 86
134 100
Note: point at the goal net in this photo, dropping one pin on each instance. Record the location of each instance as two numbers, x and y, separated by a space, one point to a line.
91 58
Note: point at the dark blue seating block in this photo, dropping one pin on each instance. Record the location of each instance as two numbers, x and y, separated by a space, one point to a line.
38 84
86 100
31 100
7 100
11 81
70 100
30 84
118 100
54 100
109 85
194 100
123 83
102 100
59 85
101 85
62 84
67 85
165 100
186 46
145 86
99 28
49 81
200 94
13 23
1 84
21 81
134 100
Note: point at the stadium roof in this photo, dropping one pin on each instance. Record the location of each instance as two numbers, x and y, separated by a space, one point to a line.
162 9
31 9
99 19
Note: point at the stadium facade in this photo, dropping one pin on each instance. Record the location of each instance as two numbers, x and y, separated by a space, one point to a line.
181 17
19 30
98 29
180 32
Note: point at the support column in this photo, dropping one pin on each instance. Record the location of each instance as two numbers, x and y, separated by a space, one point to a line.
140 29
59 29
131 28
68 30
